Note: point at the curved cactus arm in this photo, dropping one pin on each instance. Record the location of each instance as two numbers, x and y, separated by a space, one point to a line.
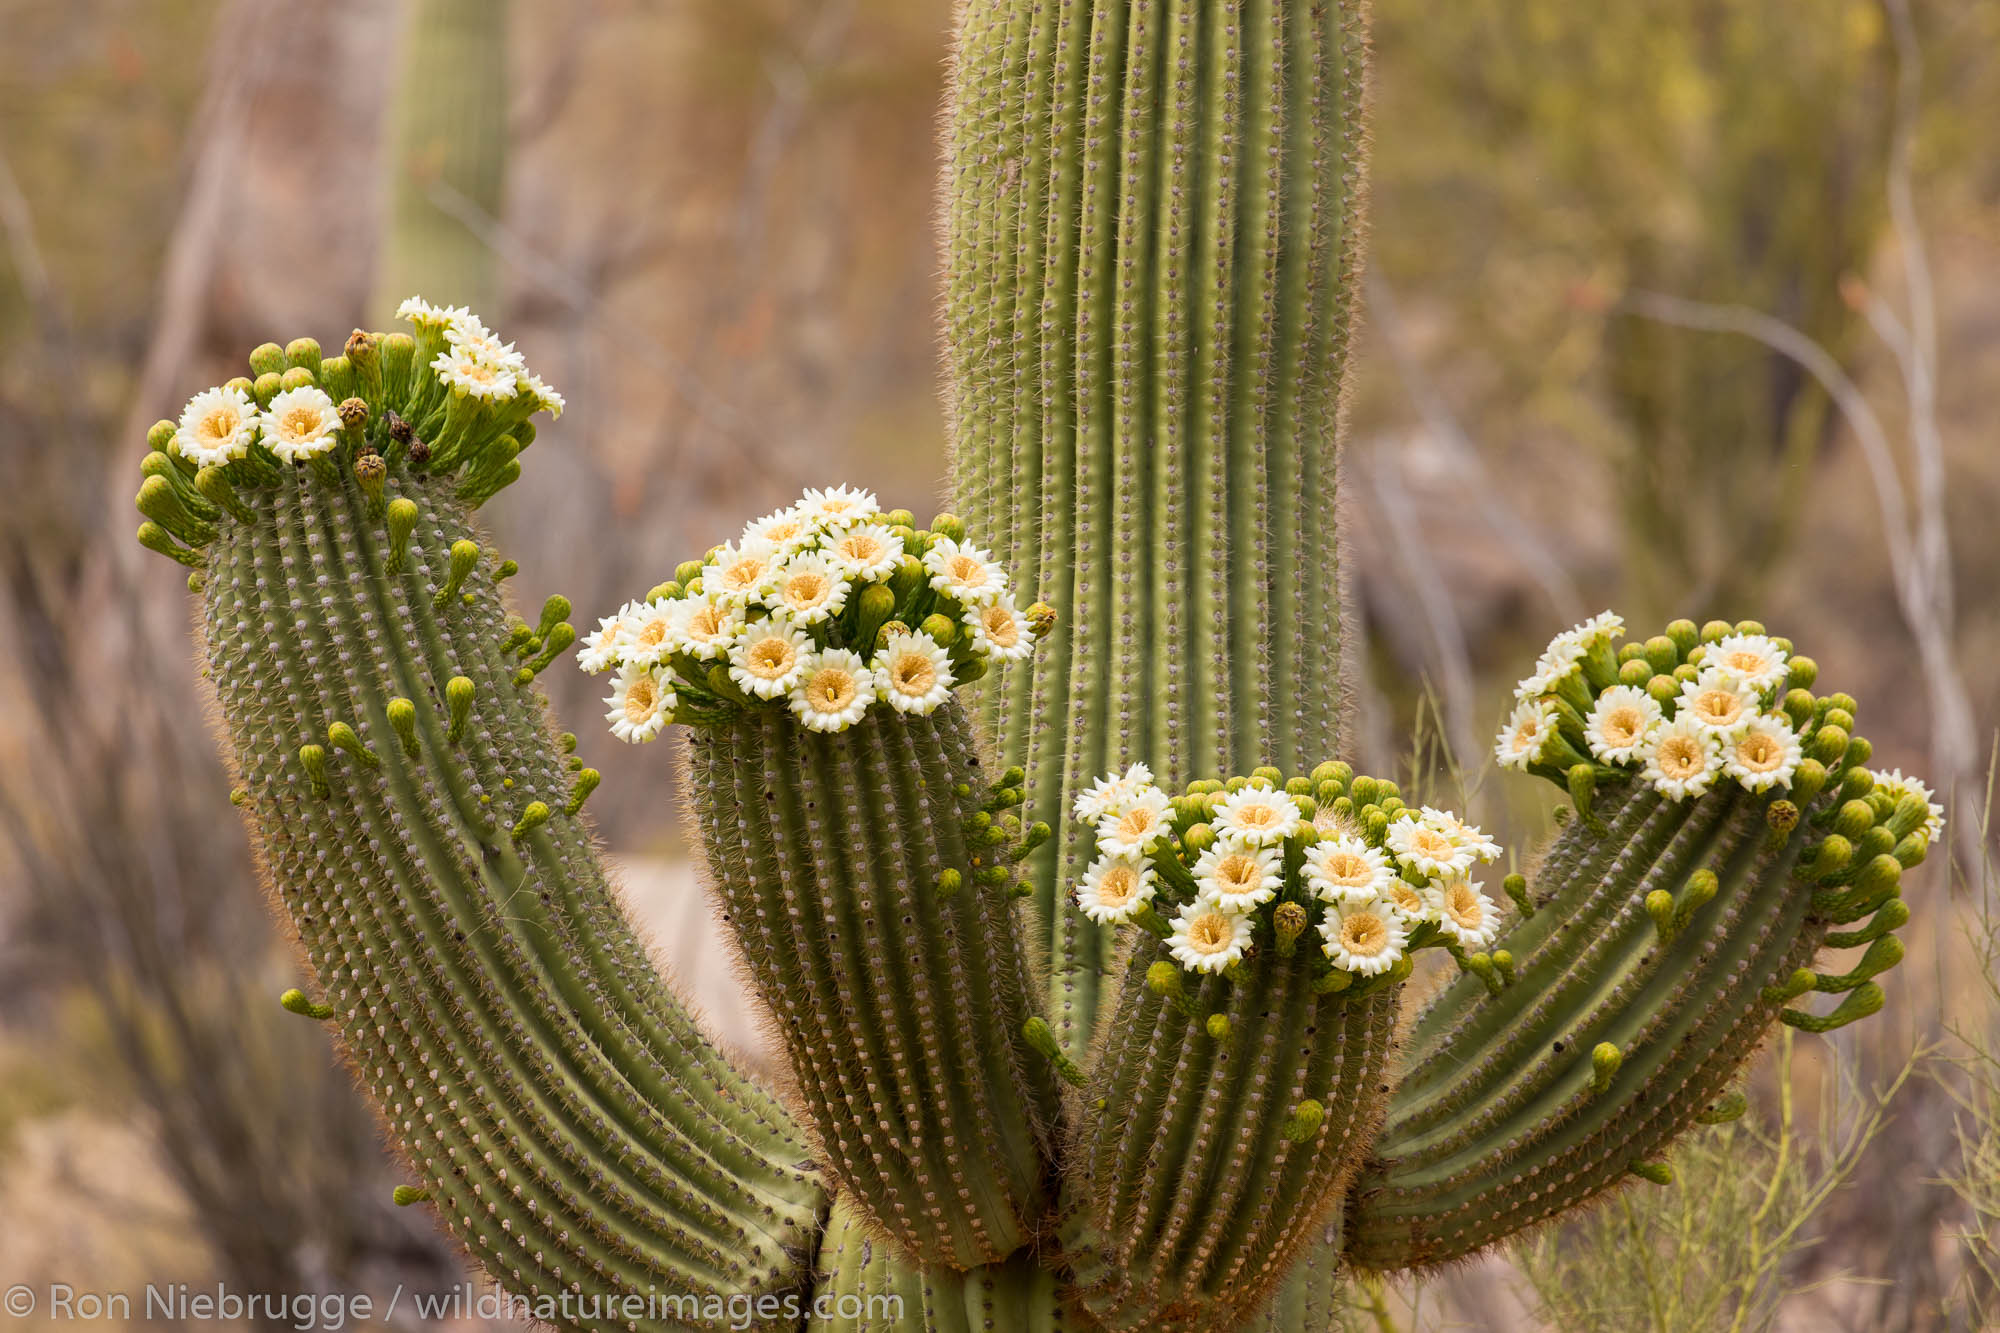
1238 1083
865 1286
1152 224
863 858
447 139
420 827
1666 932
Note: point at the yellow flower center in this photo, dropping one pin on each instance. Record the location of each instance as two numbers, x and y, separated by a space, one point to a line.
1118 886
641 701
652 634
1237 873
1623 725
1000 626
1760 752
966 570
1718 708
1211 932
1746 661
705 624
863 548
770 658
913 673
832 689
1138 821
1363 934
1528 736
743 573
1462 905
1257 817
301 422
1405 897
220 424
1349 869
1432 844
1682 757
807 588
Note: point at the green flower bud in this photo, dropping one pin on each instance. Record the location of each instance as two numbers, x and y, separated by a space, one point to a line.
1801 673
1635 673
1685 634
1715 631
294 1001
1604 1061
402 521
458 692
268 359
948 525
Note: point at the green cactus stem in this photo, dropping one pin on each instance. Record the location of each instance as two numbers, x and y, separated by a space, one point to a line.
864 1286
901 1008
1152 231
1669 933
560 1107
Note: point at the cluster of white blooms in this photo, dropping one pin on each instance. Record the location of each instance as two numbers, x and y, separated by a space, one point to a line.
301 420
1684 712
826 608
474 361
1212 872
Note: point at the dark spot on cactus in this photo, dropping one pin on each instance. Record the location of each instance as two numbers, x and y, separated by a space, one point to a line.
1558 1048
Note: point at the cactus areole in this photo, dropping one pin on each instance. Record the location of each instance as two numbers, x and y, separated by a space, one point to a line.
1083 952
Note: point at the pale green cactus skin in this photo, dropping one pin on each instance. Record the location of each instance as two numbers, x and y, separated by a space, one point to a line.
446 130
859 1272
900 1004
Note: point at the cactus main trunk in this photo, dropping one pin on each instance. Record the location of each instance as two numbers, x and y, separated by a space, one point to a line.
1153 226
577 1132
900 1002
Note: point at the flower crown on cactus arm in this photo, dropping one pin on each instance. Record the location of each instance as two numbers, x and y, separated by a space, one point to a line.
826 608
1256 862
450 401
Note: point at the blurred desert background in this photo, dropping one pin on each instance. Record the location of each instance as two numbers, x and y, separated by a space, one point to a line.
1684 307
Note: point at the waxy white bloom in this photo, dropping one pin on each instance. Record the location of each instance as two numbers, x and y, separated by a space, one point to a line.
809 589
1108 794
1751 658
416 310
1346 868
301 423
743 572
1238 876
1407 900
1000 629
1421 846
836 507
1765 753
1257 815
1718 701
1682 758
552 402
1363 936
1466 837
1620 723
465 373
1897 787
704 626
964 572
1137 826
650 634
468 335
640 703
1601 628
1114 889
833 691
769 658
913 673
600 650
217 425
1556 662
1208 939
1530 727
1463 913
866 551
787 530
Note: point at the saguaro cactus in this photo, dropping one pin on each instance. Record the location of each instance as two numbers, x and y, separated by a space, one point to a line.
1153 221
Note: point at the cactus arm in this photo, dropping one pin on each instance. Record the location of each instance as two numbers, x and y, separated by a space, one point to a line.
447 129
1166 196
864 1288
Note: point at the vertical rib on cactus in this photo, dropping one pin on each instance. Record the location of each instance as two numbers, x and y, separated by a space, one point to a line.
1211 1162
1151 232
899 1003
447 132
863 1286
